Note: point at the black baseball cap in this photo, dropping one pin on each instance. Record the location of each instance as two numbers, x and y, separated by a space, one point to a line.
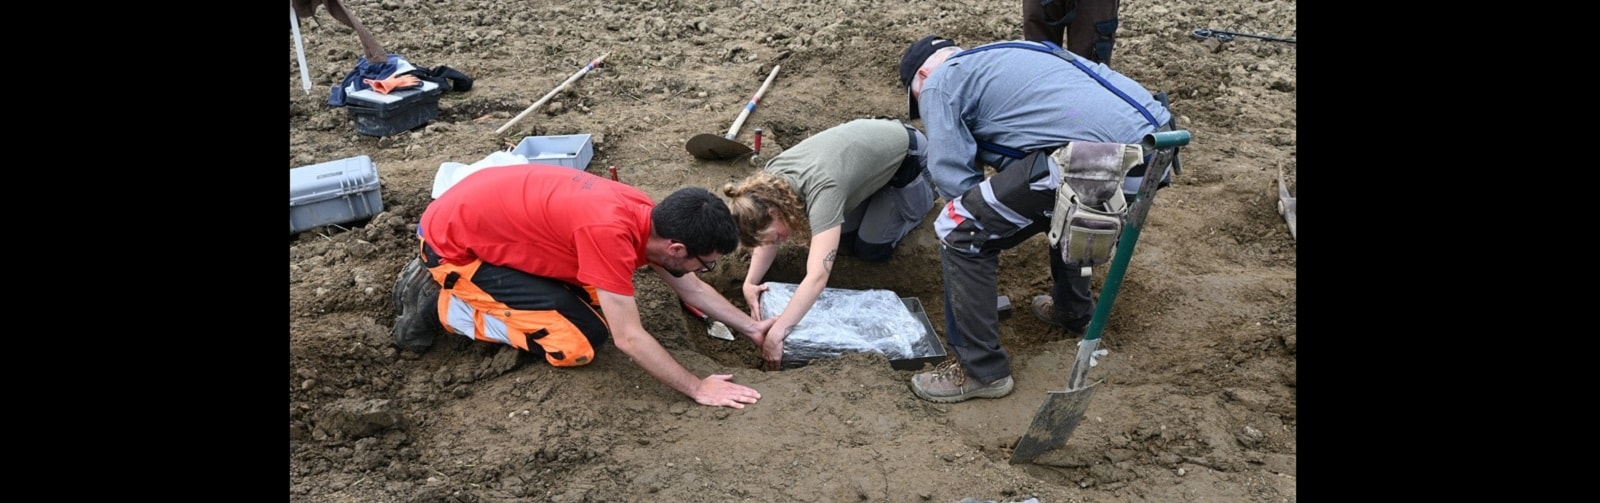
913 59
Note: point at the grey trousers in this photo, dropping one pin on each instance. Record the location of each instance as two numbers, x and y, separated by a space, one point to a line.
998 214
890 214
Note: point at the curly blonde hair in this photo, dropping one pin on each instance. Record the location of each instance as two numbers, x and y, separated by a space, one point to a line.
750 200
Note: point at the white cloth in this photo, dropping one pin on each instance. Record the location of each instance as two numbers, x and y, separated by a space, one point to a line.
452 172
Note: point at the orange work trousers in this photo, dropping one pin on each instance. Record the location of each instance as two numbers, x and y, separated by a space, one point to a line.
492 303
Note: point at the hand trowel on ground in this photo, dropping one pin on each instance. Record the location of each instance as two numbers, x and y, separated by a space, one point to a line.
713 328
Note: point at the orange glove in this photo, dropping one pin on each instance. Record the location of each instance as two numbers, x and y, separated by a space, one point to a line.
393 84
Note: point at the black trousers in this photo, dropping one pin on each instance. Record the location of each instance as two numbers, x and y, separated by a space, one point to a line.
1089 27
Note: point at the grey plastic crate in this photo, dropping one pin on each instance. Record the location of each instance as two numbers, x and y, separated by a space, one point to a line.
333 192
573 151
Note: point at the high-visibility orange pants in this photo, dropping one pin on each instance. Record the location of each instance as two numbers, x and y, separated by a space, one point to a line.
491 303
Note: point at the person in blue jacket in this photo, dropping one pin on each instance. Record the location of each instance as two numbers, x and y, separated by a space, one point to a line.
1008 105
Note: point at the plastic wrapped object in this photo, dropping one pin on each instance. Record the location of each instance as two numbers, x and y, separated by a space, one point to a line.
853 321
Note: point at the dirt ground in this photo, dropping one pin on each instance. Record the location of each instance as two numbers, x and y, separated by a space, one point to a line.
1199 398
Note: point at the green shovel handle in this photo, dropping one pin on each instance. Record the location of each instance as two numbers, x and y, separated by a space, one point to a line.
1165 140
1162 143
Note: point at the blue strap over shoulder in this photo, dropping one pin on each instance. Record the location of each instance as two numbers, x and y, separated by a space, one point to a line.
1052 48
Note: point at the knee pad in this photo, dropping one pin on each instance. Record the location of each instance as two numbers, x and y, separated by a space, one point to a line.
570 348
1107 31
874 252
1102 51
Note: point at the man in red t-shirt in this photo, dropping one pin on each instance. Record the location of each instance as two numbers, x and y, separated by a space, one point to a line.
542 258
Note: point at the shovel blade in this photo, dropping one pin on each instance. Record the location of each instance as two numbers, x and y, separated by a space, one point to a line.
1053 424
1286 204
712 147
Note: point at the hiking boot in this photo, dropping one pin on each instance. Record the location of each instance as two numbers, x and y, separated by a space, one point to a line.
948 383
1045 310
417 297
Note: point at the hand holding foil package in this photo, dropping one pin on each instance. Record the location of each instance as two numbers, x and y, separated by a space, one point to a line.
851 321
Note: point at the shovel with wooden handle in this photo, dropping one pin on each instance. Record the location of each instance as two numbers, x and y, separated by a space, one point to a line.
1061 411
712 147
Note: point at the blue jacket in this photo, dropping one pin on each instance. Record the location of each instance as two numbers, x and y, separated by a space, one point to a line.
1026 100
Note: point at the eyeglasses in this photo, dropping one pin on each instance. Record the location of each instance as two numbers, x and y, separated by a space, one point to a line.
705 266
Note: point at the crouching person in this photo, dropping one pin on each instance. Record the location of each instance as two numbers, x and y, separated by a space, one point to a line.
855 189
542 258
1010 105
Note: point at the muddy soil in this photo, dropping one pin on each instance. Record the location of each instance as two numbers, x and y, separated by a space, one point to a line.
1199 394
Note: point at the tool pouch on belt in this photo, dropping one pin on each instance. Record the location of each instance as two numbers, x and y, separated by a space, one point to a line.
1090 207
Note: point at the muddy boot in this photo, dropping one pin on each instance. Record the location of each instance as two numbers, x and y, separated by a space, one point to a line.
1044 308
417 297
948 383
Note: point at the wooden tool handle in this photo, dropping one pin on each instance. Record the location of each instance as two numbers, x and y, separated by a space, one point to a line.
551 94
734 131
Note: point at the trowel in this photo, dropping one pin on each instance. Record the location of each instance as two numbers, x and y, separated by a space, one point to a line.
714 328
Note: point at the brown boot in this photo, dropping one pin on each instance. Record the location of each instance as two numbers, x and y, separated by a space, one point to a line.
948 383
1045 310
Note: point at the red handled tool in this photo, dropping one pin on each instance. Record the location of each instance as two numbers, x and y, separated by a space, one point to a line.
713 147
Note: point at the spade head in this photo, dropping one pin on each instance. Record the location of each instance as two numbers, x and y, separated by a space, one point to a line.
713 147
1052 426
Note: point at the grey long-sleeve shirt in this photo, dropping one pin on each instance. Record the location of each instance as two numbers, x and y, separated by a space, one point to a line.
1026 100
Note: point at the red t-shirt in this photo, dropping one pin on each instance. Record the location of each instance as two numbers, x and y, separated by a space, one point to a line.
549 221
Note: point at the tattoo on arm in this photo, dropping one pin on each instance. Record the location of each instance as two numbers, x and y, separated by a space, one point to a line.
829 261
